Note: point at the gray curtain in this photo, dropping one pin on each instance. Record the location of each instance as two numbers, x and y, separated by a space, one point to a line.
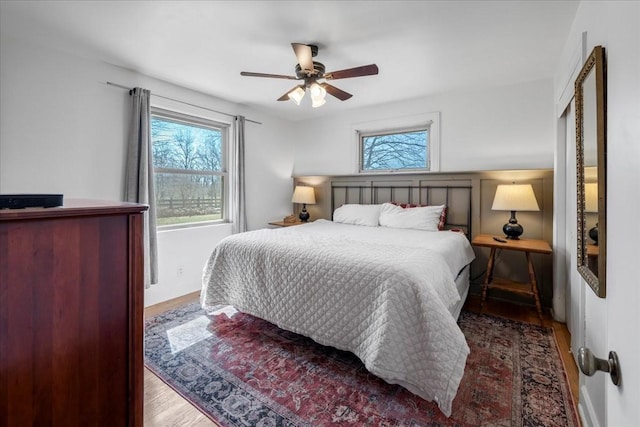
139 177
237 191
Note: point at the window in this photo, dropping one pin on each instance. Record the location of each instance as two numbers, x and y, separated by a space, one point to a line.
406 149
189 168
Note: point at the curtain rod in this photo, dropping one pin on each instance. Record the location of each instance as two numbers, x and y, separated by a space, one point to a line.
186 103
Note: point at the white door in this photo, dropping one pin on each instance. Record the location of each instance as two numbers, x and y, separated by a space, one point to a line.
613 323
623 320
623 206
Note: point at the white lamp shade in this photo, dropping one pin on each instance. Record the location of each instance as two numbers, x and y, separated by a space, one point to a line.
318 93
315 103
515 197
591 197
296 95
304 194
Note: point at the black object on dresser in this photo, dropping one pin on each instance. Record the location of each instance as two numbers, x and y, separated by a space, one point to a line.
21 201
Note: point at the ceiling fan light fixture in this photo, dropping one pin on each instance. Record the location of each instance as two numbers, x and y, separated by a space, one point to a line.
318 94
296 95
317 91
315 103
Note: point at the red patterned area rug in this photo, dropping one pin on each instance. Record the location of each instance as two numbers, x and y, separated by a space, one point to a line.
243 371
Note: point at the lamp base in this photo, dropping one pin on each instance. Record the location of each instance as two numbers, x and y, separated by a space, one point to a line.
512 231
593 233
304 215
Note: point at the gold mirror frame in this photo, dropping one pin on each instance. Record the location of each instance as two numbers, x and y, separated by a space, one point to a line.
591 132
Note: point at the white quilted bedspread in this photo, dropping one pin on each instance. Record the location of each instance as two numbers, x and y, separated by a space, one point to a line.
383 294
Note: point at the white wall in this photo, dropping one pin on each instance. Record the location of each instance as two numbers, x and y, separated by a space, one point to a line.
63 130
182 255
613 323
507 127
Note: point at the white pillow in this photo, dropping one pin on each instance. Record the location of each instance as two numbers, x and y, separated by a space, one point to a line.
419 218
357 214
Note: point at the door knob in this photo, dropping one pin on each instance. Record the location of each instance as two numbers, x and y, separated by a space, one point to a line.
589 364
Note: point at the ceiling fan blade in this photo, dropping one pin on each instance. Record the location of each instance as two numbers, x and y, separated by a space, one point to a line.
304 55
365 70
274 76
284 97
338 93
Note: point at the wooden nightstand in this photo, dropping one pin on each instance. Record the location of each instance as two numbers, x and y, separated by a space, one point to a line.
527 246
286 224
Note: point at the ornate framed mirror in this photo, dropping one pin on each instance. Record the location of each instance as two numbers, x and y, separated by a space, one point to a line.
591 162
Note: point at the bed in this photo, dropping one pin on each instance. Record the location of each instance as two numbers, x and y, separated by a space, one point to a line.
390 295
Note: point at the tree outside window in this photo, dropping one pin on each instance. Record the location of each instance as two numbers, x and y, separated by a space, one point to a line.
402 150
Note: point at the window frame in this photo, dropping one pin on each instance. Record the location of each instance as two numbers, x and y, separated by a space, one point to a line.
398 124
366 134
202 122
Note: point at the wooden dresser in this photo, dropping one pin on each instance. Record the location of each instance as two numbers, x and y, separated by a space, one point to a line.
71 315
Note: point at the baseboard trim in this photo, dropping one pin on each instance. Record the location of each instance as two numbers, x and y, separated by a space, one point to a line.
163 306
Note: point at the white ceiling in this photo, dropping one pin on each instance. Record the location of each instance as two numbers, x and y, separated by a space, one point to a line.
421 47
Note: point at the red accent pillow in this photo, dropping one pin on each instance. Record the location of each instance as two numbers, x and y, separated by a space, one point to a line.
443 215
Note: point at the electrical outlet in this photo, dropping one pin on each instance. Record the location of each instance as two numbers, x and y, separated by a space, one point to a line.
180 270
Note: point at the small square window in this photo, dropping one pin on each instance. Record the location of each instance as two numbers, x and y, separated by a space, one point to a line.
395 150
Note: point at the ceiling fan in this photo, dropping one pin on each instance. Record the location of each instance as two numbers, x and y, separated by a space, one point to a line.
312 72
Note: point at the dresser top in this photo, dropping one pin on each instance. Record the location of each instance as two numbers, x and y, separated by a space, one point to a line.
73 207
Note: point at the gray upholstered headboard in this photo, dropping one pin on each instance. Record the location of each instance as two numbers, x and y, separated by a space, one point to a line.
457 199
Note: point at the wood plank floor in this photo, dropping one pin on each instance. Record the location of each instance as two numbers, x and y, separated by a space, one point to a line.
164 407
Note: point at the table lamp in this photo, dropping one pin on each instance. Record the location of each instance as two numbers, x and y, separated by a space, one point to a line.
514 197
306 196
